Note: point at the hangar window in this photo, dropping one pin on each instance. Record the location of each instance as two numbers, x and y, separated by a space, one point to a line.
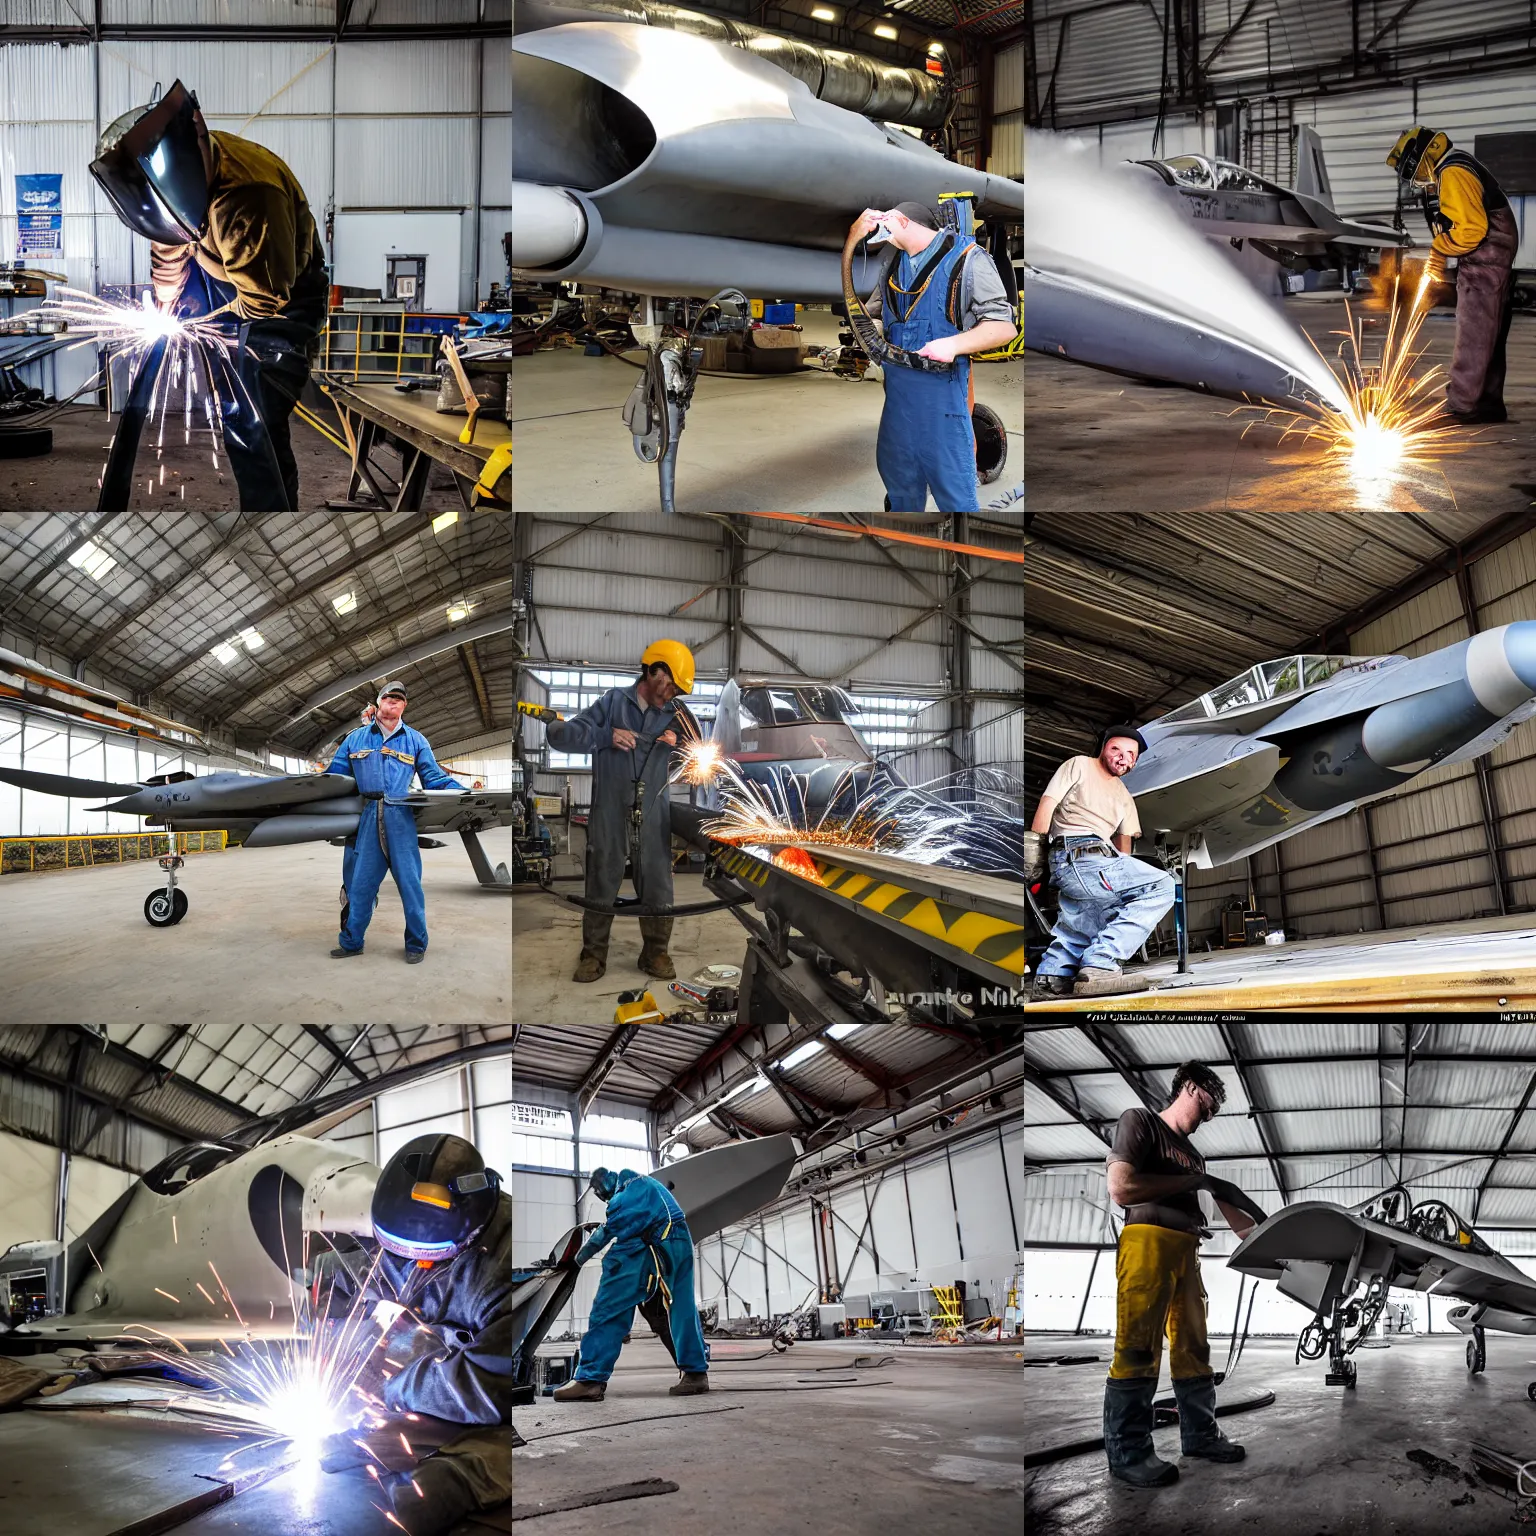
572 690
93 560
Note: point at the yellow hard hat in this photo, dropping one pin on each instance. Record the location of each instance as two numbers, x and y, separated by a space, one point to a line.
677 659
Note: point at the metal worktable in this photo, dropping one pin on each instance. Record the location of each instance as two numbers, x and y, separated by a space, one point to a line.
376 411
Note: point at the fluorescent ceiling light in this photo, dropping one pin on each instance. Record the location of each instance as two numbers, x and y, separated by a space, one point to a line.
225 652
457 612
251 640
346 603
804 1053
822 13
935 47
884 31
444 520
93 560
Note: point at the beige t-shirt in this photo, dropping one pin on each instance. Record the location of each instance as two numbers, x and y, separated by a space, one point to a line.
1088 801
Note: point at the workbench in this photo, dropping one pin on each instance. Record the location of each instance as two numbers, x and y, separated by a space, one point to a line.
373 413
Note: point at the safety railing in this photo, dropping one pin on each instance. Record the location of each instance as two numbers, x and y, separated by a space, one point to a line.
32 855
389 344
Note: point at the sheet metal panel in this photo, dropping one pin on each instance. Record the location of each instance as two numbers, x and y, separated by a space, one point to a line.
1110 55
1275 35
231 78
892 1230
1008 80
44 84
1297 1130
1351 127
1455 1130
981 1195
1424 623
1323 1085
1105 1094
495 168
933 1215
386 78
496 76
1055 1142
1007 157
418 162
1064 1048
1065 1207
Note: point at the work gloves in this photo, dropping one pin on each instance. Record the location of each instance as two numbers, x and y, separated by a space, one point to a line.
593 1246
1230 1194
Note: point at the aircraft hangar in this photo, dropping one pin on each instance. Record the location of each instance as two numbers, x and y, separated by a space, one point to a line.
1360 1258
187 678
685 186
191 1263
814 1056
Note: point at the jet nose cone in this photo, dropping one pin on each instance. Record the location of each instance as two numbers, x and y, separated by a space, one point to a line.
1520 648
1501 667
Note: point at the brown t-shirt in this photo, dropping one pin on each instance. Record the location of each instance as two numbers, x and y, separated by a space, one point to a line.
1088 801
1145 1141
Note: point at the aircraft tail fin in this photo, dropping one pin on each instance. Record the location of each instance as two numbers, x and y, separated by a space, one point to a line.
1311 169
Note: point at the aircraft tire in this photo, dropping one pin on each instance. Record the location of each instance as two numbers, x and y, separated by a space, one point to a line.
159 910
1530 1391
180 899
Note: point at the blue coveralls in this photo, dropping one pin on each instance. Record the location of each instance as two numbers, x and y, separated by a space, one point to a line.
651 1248
386 766
926 441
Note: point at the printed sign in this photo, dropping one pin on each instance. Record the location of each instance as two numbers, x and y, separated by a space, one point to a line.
39 216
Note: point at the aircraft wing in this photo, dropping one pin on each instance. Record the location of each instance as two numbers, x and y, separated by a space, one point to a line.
61 784
1185 780
1302 1242
453 810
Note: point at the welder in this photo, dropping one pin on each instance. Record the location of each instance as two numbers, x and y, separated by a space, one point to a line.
630 732
651 1255
1469 217
445 1230
230 232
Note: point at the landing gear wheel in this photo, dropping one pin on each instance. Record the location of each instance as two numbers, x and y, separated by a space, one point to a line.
991 443
1349 1374
160 909
1477 1352
1530 1391
179 898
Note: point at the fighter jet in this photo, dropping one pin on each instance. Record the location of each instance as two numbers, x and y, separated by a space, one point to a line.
1341 1262
1296 741
1228 202
270 812
714 1189
256 1216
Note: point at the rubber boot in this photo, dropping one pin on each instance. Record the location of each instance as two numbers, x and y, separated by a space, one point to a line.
658 963
691 1385
655 935
590 966
579 1391
1128 1434
1199 1434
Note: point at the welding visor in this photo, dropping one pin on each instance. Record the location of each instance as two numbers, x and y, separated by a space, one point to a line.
150 165
434 1198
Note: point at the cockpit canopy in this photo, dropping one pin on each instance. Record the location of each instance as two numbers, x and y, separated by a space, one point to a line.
1212 175
815 704
1272 680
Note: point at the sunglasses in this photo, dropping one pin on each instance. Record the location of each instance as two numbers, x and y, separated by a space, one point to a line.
1205 1099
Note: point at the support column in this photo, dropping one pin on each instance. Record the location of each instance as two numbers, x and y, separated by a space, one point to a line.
1370 848
1485 800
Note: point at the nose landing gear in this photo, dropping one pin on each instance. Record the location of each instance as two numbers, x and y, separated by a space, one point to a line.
164 909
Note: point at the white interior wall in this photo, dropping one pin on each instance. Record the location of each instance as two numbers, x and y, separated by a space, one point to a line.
28 1191
92 1188
364 242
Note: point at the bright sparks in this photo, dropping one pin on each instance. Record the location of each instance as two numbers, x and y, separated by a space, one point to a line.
1395 419
701 762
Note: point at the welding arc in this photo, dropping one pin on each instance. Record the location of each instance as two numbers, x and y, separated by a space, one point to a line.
874 344
117 478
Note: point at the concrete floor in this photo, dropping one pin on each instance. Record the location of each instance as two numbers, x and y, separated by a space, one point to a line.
253 945
930 1443
801 442
547 942
1115 442
66 479
1322 1461
1480 963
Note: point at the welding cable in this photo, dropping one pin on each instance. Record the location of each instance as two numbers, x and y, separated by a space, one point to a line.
875 346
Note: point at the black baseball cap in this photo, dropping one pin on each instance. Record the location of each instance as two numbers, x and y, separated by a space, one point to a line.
1129 732
920 213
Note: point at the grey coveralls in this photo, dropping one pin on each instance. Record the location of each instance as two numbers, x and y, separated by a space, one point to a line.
461 1370
611 833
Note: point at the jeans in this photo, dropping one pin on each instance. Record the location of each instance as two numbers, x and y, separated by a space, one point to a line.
1109 903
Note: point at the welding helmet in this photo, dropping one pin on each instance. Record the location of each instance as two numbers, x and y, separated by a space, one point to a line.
150 164
1417 153
605 1184
675 657
434 1198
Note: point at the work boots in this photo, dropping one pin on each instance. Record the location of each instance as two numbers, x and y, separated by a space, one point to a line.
1128 1434
1199 1434
1044 988
590 966
580 1392
657 962
691 1385
1094 981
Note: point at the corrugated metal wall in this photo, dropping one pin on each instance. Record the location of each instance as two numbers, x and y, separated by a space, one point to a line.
384 125
1007 157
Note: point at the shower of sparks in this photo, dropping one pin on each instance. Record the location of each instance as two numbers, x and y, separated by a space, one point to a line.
1395 420
700 762
299 1391
133 329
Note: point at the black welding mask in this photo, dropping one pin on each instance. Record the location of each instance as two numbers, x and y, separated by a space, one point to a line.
150 164
434 1198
